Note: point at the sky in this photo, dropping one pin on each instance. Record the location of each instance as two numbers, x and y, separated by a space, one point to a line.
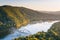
40 5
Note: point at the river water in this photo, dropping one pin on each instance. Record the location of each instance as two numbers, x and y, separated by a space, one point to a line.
30 29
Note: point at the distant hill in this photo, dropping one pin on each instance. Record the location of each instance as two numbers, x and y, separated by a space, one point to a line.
52 12
19 16
34 15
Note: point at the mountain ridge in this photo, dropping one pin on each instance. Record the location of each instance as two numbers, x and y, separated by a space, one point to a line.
17 17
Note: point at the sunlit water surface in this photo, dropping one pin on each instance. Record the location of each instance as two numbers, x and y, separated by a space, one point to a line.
30 29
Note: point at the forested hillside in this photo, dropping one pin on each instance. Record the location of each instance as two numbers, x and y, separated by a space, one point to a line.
17 17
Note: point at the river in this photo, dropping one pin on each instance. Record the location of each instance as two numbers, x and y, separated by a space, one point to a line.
30 29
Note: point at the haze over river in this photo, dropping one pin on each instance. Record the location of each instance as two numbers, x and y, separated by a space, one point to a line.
30 29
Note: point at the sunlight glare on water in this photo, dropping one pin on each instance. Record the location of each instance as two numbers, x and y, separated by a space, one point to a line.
31 28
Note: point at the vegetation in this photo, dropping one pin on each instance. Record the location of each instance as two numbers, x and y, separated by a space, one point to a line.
40 36
37 16
10 17
55 29
19 16
52 34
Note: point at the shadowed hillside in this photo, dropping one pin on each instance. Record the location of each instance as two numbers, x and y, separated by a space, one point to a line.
20 16
11 17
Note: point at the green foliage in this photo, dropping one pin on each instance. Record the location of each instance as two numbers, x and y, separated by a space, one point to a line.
52 34
20 16
40 36
5 23
10 17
